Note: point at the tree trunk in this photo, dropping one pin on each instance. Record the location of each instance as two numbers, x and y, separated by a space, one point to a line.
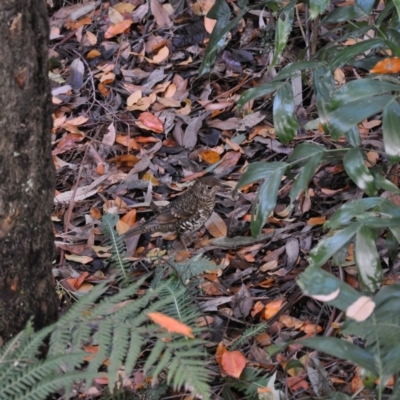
26 169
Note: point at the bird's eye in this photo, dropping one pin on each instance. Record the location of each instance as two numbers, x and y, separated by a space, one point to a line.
209 187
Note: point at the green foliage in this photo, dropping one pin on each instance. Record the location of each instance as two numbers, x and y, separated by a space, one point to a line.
195 266
247 335
252 379
379 357
120 327
118 258
220 12
360 222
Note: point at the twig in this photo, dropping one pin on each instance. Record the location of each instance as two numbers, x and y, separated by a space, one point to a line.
71 206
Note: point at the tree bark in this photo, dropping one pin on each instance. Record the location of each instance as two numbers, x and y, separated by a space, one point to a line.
26 169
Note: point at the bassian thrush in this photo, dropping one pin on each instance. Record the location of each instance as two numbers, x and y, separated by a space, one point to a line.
186 213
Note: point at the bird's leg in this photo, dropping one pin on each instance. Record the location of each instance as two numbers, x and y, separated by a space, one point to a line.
182 238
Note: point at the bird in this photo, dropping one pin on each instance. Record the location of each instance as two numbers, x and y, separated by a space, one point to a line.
187 213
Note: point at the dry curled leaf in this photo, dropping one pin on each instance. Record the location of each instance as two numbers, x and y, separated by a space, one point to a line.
171 324
387 66
209 156
114 30
150 122
233 363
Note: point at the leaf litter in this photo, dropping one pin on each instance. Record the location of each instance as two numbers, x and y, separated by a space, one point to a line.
134 122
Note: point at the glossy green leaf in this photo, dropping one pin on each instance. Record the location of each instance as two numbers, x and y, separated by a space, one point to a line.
285 121
221 12
365 5
304 151
391 361
328 246
348 115
367 259
343 349
397 5
282 31
347 54
308 171
353 136
292 69
259 91
317 7
324 86
347 212
392 245
339 258
395 232
388 207
259 170
387 301
378 221
383 183
391 136
220 9
385 13
343 14
266 200
361 89
354 165
318 282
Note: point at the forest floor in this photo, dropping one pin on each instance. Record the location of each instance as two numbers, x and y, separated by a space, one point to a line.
135 124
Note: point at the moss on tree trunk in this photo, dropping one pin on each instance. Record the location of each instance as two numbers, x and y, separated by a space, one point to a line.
26 169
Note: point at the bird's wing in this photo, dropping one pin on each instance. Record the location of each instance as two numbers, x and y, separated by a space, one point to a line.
170 215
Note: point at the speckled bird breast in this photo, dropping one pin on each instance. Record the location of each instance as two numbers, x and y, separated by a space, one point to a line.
197 221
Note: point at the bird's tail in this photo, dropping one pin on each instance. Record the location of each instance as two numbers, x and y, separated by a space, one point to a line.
138 230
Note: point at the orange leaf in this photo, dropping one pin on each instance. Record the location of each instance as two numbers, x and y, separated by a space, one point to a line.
233 363
130 217
148 176
151 122
145 139
104 90
171 324
114 30
210 156
126 160
221 349
316 220
387 66
76 282
258 307
95 213
272 308
127 141
91 349
93 54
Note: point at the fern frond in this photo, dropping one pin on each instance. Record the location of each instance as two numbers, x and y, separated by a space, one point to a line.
23 384
250 380
248 334
189 371
120 347
120 326
21 351
183 359
135 346
195 266
118 253
155 354
61 335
